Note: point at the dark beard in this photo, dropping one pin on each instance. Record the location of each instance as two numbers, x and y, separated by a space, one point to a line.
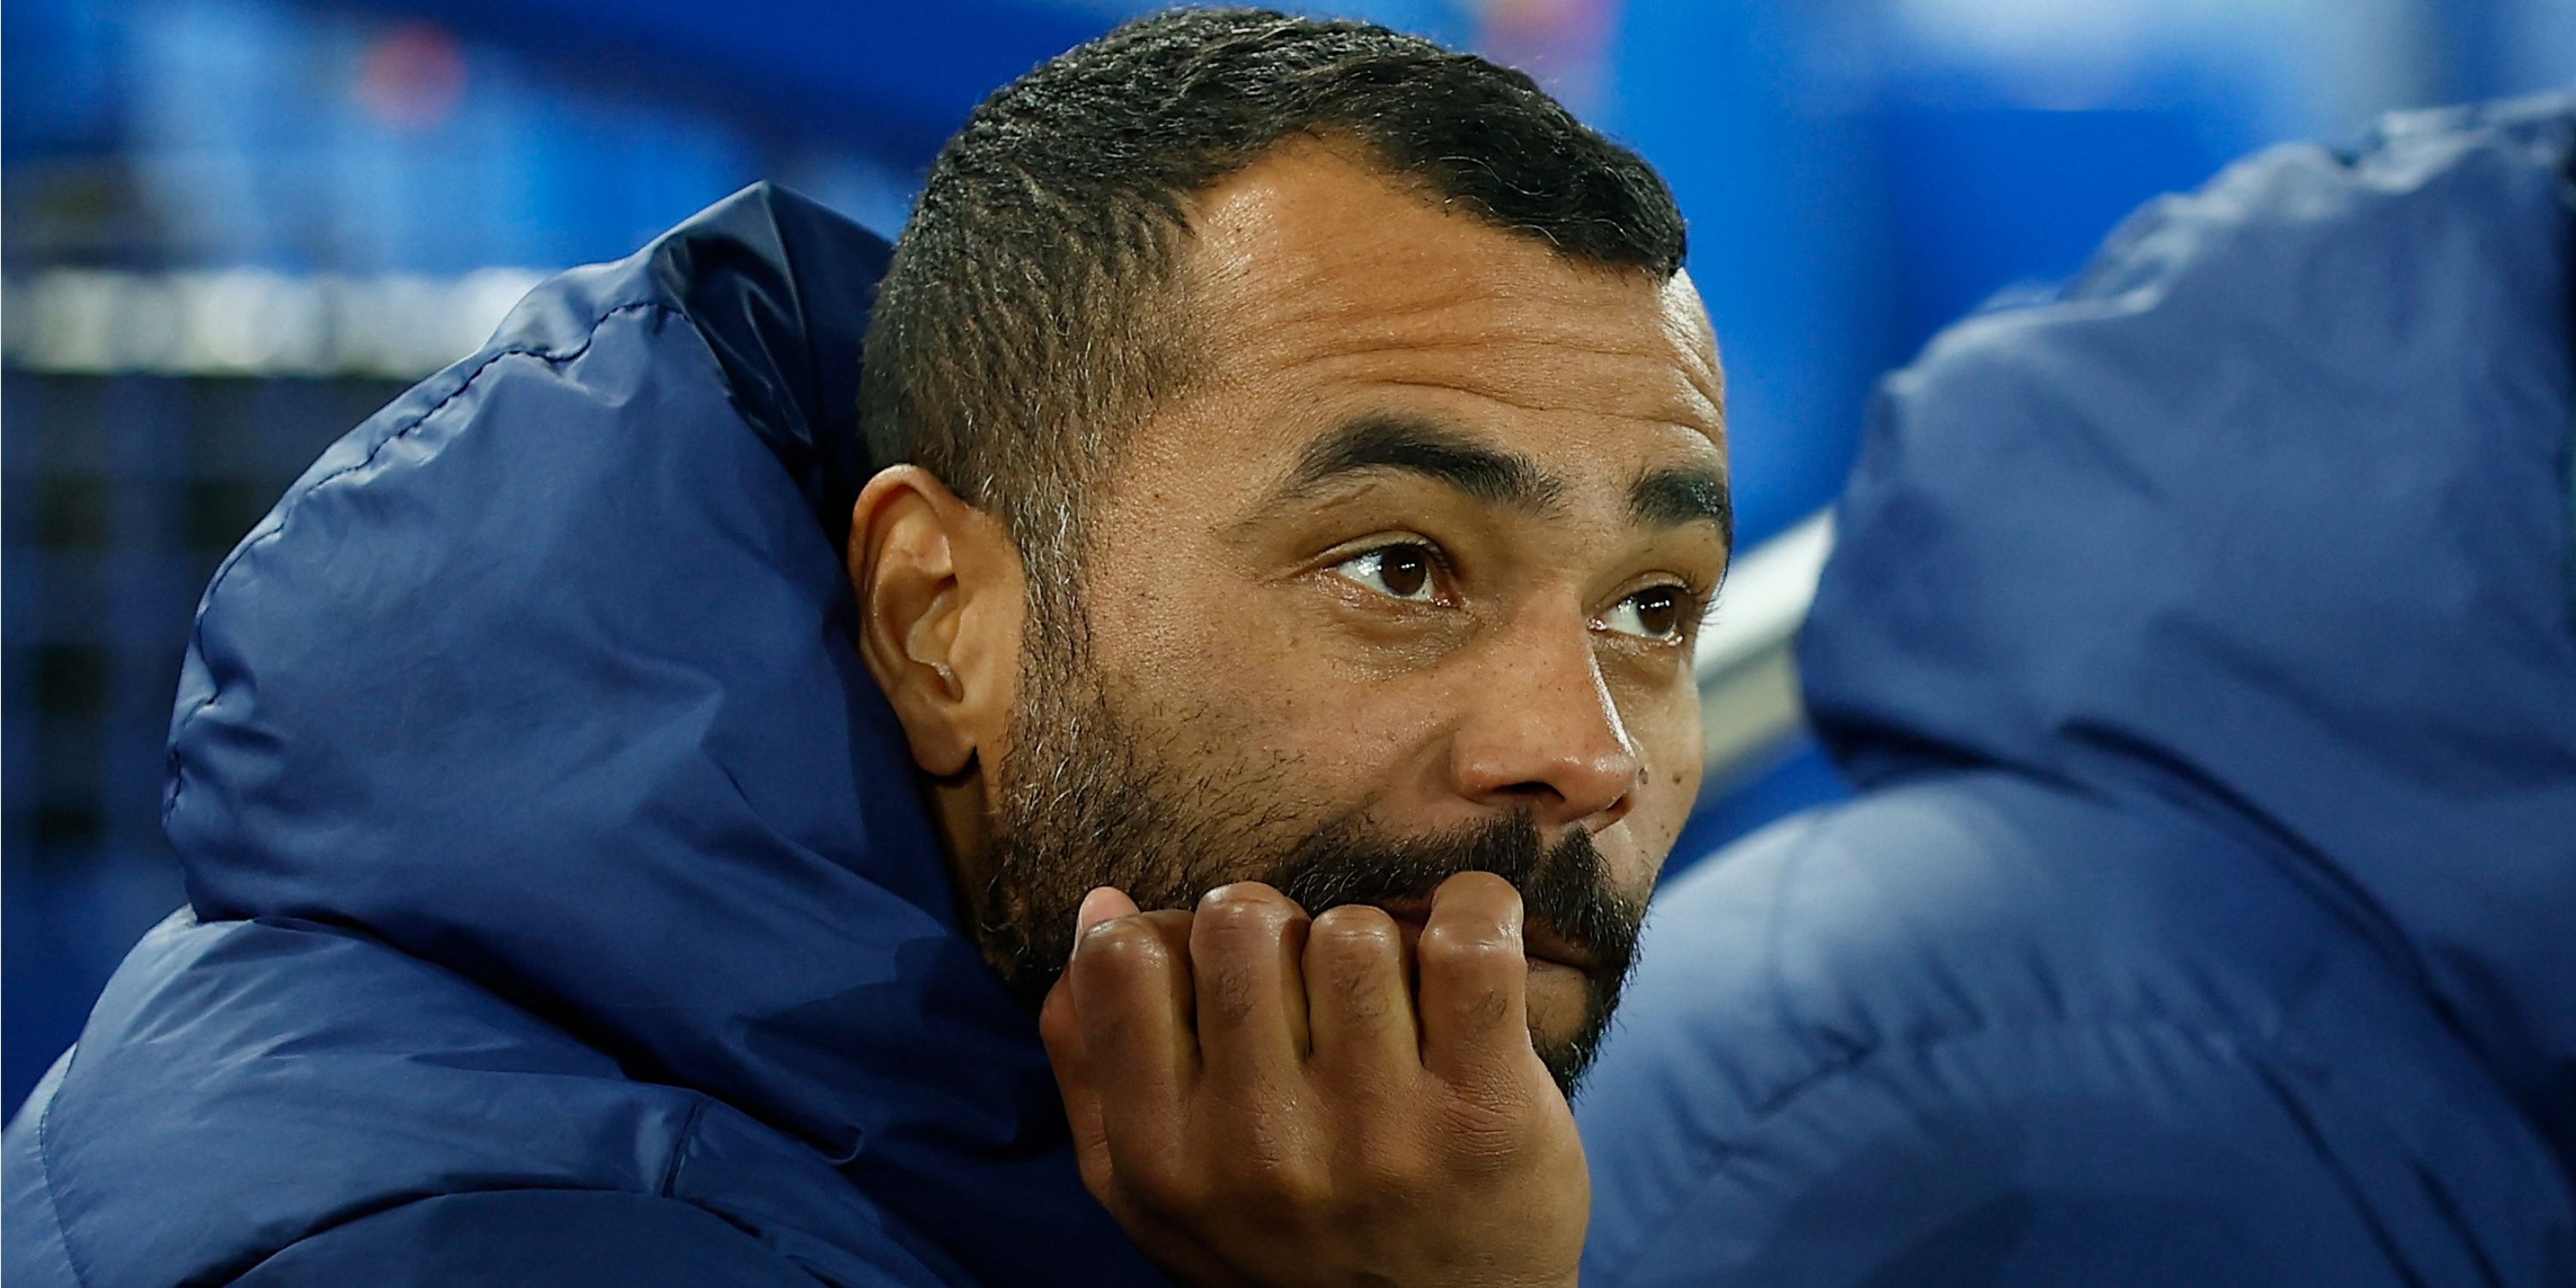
1082 804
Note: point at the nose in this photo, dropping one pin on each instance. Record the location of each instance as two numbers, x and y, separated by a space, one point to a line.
1542 734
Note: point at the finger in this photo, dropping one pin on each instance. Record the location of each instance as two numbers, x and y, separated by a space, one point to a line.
1130 985
1359 999
1059 1027
1475 981
1176 1246
1247 942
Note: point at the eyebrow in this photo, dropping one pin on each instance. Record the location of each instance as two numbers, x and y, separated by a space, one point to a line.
1674 497
1428 449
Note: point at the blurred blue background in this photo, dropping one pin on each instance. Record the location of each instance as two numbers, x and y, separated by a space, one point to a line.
229 229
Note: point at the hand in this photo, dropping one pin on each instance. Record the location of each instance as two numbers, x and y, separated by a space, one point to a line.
1260 1098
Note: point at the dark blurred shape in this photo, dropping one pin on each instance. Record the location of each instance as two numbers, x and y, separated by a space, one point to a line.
2198 641
1566 45
118 495
412 77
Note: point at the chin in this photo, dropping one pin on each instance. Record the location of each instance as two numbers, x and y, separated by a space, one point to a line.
1560 1002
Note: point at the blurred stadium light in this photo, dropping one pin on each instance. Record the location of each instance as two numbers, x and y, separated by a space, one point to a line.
1748 680
247 322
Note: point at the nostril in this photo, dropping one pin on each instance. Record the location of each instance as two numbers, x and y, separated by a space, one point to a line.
1563 804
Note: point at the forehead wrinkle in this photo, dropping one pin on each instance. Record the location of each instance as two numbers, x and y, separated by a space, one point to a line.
1315 237
1659 419
1354 303
1479 346
1473 317
1459 339
1534 333
1516 370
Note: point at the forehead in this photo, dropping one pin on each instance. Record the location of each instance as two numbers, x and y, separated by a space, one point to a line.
1313 278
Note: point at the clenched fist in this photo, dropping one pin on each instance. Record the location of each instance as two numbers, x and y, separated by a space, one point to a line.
1264 1098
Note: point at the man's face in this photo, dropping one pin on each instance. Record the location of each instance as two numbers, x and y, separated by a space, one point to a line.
1406 584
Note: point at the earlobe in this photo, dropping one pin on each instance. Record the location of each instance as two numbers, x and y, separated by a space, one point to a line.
932 589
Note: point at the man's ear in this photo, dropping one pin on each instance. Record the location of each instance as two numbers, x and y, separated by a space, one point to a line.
940 589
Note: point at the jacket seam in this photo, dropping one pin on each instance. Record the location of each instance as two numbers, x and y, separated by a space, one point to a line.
669 1186
2309 1130
45 1171
286 514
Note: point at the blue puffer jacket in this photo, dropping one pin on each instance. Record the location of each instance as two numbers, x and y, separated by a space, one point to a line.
563 911
2201 639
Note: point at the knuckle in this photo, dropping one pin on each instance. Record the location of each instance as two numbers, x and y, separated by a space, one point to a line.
1273 1172
1244 910
1301 1187
1483 887
1160 1182
1227 992
1483 1008
1355 929
1354 953
1357 994
1122 948
1447 947
1246 894
1398 1169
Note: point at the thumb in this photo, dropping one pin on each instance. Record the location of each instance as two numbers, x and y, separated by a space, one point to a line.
1060 1027
1107 903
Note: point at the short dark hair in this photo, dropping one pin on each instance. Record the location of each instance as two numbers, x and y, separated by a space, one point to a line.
1028 314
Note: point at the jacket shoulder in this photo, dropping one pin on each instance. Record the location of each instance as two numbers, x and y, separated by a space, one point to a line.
247 1088
1981 1030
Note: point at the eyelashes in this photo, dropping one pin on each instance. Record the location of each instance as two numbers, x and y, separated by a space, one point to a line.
1417 572
1410 571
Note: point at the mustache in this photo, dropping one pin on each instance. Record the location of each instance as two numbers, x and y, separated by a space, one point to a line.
1565 885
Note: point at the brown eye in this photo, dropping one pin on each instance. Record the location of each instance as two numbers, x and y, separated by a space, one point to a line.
1402 571
1655 613
1659 611
1406 570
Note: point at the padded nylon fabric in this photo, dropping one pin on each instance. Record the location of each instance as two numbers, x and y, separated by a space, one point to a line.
2200 639
544 834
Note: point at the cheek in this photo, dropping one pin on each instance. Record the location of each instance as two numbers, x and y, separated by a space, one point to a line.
1665 727
1250 690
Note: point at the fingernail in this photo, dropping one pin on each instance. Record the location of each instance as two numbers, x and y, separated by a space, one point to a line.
1090 914
1095 908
